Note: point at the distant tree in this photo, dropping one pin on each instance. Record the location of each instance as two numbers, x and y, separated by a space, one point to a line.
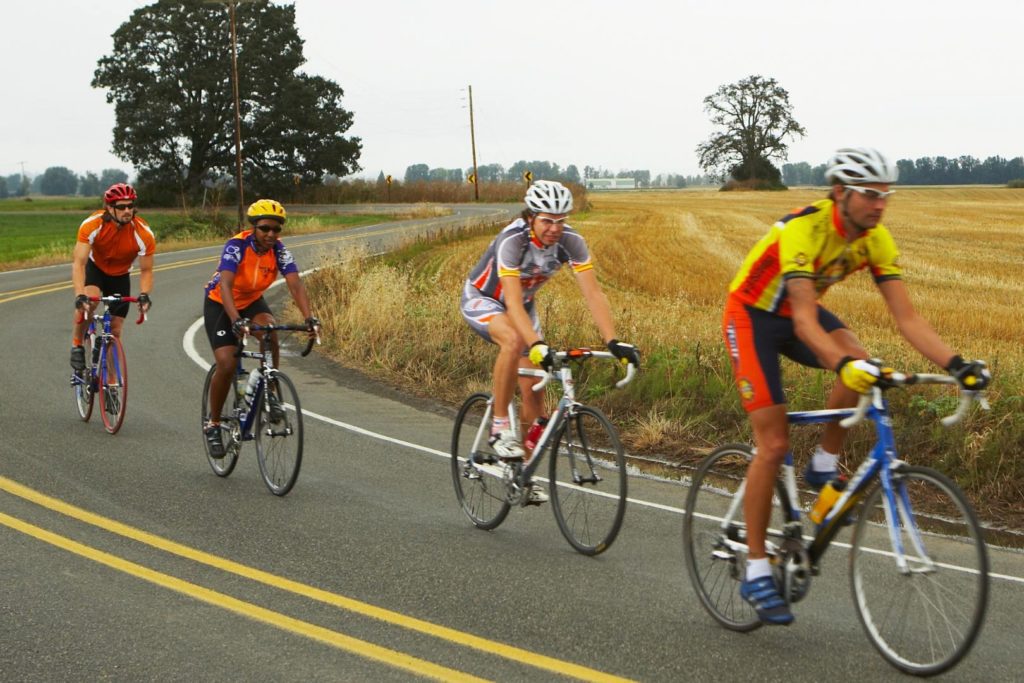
37 185
572 174
109 176
489 173
89 185
756 118
168 76
417 172
18 185
381 180
3 187
58 180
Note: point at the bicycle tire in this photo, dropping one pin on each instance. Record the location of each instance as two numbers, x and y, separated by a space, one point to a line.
82 383
279 434
230 435
113 380
716 570
588 480
481 491
925 620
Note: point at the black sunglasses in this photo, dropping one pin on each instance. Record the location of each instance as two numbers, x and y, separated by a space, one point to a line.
122 207
269 228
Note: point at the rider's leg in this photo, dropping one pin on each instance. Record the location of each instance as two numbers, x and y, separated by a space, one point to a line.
510 351
220 385
771 436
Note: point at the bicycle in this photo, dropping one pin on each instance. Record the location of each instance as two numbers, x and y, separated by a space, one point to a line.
106 367
265 409
922 614
587 468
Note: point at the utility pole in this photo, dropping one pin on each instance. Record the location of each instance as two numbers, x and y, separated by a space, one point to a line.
238 115
472 138
238 107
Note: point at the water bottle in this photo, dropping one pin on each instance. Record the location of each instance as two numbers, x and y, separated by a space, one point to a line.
828 496
241 380
533 434
250 386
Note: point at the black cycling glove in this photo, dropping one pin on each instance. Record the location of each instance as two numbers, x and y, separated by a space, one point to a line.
972 375
625 352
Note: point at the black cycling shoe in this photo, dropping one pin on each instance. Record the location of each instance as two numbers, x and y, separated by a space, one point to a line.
214 441
78 358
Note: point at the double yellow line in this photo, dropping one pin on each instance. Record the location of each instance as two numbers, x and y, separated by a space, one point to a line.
341 641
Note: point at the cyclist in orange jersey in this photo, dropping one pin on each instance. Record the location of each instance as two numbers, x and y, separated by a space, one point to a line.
249 264
773 310
108 243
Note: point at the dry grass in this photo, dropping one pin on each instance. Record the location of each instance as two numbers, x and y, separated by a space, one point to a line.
665 260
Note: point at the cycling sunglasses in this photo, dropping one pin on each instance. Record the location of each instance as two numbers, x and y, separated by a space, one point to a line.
870 192
270 228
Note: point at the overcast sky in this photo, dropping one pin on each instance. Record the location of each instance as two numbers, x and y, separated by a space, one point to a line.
612 84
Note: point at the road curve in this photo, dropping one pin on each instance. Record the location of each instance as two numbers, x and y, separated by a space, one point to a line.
124 557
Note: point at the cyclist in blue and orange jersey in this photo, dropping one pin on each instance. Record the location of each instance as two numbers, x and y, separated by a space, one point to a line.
773 310
108 243
249 264
498 303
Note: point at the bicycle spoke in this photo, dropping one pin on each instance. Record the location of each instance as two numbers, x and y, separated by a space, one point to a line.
477 474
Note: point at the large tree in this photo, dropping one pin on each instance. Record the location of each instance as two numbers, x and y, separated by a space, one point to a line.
58 180
169 77
755 118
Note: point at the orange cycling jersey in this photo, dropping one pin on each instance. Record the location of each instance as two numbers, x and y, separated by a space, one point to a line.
811 243
254 272
114 247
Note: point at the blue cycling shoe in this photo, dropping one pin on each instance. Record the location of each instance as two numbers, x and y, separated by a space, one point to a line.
762 594
816 479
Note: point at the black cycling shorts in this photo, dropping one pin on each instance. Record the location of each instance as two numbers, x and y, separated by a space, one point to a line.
218 324
109 285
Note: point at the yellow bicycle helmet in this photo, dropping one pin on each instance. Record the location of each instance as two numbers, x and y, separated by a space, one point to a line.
266 208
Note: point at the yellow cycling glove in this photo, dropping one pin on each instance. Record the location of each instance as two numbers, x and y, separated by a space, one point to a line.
859 375
542 355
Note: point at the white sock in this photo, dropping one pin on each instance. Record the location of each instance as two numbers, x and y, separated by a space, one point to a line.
823 461
758 568
499 424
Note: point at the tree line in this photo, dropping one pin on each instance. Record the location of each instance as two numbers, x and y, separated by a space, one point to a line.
61 181
546 170
963 170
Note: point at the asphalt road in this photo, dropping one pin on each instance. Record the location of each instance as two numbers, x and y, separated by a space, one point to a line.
124 558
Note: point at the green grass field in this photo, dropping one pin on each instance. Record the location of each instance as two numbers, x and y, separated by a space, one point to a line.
45 235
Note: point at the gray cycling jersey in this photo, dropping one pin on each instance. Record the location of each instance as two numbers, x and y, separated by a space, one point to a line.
515 252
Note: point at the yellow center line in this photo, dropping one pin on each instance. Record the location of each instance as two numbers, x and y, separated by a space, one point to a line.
395 618
341 641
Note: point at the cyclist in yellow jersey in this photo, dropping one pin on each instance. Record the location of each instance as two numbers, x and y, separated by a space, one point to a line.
773 309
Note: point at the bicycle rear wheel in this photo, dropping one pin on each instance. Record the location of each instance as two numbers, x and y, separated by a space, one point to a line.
925 618
477 473
81 383
278 430
229 427
715 550
588 481
113 374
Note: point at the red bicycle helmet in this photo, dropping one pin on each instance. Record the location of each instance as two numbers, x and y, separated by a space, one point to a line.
119 192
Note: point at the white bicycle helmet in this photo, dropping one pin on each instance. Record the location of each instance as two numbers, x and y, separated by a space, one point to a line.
859 166
547 196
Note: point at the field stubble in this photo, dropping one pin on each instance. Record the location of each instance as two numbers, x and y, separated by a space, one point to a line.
665 261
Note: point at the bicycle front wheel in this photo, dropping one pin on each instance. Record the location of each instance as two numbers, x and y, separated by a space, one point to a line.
113 373
715 535
588 481
81 383
477 473
923 618
279 435
230 434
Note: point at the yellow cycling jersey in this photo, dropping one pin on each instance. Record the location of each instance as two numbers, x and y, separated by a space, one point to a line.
810 242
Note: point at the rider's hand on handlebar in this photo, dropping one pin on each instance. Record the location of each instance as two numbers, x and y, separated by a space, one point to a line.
542 355
81 301
240 327
859 375
627 353
145 303
313 325
971 375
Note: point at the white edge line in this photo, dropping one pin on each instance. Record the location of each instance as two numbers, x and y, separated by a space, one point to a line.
188 344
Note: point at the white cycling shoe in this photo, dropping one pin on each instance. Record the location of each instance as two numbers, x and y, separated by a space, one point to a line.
536 495
506 445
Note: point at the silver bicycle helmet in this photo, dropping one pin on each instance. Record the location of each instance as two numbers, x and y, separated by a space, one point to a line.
859 166
547 196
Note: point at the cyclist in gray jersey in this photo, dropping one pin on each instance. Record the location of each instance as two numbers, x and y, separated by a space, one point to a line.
498 303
